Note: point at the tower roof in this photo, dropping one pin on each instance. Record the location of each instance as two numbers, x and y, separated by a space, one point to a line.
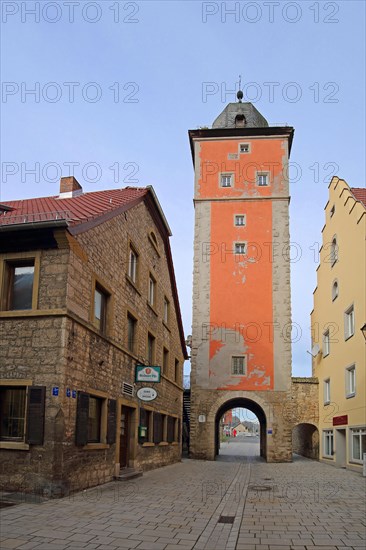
240 115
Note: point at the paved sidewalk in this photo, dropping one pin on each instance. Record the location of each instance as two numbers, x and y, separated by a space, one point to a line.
300 506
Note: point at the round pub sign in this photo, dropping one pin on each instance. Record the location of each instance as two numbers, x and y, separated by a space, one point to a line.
147 394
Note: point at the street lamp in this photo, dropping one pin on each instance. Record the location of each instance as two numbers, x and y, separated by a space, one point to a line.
363 329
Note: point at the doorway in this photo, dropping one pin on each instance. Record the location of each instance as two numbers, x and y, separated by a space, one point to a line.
125 435
340 448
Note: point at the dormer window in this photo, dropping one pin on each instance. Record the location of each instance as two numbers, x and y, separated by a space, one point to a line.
240 121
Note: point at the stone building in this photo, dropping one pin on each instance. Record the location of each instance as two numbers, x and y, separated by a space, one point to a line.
241 332
87 293
339 351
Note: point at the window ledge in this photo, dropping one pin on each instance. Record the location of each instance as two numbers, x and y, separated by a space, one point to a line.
328 457
163 444
128 278
14 445
326 403
166 326
348 337
148 444
95 446
152 308
175 443
350 395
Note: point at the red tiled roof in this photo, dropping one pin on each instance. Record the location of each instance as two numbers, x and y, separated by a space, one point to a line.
360 194
74 210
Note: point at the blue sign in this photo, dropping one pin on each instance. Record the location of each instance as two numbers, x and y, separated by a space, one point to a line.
55 391
74 394
68 392
270 432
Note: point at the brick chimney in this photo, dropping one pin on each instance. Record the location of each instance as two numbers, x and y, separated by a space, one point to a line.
69 187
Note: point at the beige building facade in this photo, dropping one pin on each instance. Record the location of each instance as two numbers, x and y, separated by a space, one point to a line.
339 351
88 293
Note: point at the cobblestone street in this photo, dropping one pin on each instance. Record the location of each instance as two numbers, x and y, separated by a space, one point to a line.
242 504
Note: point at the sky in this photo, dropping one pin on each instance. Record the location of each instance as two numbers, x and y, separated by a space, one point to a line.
108 90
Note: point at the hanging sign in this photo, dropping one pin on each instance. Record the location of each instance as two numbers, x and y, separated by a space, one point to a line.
147 394
145 373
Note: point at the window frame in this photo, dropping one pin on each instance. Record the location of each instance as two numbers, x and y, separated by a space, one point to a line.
326 391
261 173
237 244
102 325
151 357
16 259
335 290
131 317
326 343
166 310
245 365
177 371
334 249
350 381
165 362
249 145
133 272
361 433
328 442
223 175
236 216
349 322
103 428
152 291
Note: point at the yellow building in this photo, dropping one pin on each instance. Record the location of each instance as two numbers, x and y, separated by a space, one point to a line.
338 344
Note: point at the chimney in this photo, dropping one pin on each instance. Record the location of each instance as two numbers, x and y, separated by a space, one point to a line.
69 187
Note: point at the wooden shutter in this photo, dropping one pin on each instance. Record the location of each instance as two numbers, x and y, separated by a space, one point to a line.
82 415
35 415
170 429
179 434
158 428
112 421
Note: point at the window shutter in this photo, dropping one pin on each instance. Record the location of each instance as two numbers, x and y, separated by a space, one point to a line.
35 415
112 421
179 430
170 429
157 428
82 415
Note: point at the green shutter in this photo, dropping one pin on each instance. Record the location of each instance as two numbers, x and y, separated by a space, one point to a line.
82 415
35 415
112 421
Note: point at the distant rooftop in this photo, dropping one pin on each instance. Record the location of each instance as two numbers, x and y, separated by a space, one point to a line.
360 194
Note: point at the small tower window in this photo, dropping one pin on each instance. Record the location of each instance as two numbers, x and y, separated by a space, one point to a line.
240 121
262 179
335 290
226 180
240 219
244 148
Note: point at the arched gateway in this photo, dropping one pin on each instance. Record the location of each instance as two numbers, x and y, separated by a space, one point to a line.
241 402
241 330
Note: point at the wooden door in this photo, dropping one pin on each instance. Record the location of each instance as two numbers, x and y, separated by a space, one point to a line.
124 437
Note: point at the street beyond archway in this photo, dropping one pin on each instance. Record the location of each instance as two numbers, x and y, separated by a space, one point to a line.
240 448
202 505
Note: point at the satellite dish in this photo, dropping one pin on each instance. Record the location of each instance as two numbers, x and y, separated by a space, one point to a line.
314 350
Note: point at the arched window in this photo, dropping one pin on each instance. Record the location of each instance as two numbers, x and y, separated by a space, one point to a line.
240 121
335 290
334 251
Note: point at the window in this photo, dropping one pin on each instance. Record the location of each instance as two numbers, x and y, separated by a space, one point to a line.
238 365
226 180
100 308
131 332
332 210
240 248
262 179
349 323
21 414
146 423
326 343
240 220
18 285
132 264
152 291
351 381
165 361
327 391
12 413
358 444
244 148
166 308
176 371
158 428
328 440
171 430
94 419
333 252
150 349
240 121
335 290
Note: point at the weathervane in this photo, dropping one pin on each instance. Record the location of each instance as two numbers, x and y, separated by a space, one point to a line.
240 94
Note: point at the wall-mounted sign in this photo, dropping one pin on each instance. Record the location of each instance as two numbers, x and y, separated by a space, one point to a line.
340 420
145 373
201 418
147 394
68 392
55 391
270 431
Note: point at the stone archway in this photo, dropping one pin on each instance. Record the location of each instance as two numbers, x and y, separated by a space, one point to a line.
305 440
245 403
